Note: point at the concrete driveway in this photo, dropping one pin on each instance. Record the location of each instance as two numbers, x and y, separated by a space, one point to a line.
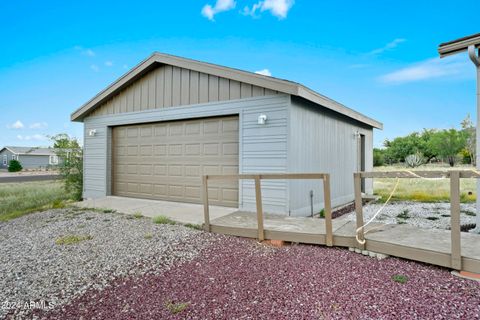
178 211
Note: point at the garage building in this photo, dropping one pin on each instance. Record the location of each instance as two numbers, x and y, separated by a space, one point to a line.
155 131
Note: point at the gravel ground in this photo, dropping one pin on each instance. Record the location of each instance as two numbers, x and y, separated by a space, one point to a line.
419 214
239 279
35 268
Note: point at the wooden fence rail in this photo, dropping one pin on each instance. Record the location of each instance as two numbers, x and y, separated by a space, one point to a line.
454 176
258 197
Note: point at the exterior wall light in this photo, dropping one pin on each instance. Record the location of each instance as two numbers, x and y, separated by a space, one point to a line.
92 132
262 119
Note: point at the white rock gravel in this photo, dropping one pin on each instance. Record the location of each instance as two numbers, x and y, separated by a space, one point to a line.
419 214
34 268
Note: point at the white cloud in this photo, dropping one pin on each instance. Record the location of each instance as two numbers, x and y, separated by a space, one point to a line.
87 52
264 72
16 125
109 63
35 137
39 125
278 8
389 46
209 12
434 68
94 67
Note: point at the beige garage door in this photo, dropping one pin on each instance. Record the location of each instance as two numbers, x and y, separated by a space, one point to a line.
166 160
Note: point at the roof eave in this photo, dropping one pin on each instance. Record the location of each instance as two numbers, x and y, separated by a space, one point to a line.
459 45
272 83
313 96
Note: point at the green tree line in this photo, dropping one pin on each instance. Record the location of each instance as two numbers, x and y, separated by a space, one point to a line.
449 145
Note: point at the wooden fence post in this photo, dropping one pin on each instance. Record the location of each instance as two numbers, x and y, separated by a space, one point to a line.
327 210
258 199
357 178
206 212
456 246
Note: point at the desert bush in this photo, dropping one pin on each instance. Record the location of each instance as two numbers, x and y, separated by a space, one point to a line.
14 166
414 160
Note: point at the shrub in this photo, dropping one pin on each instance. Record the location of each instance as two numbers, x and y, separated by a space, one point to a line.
14 166
163 220
193 226
378 157
175 308
400 278
414 160
70 153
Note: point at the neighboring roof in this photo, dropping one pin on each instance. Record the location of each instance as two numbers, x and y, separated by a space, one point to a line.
32 151
455 46
272 83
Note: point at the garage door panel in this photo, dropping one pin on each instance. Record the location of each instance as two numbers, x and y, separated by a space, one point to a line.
166 160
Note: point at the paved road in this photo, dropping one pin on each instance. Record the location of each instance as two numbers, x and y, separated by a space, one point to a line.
27 178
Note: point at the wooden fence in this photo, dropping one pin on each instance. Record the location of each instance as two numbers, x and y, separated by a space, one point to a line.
454 176
258 196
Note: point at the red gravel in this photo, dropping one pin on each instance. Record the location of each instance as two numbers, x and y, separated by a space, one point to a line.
240 279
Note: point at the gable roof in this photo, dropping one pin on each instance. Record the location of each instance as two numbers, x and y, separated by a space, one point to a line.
32 151
272 83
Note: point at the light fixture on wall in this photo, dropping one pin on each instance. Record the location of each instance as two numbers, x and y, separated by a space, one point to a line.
356 135
92 132
262 119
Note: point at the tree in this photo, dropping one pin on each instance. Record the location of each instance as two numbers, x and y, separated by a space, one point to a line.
470 141
447 144
14 166
63 141
70 154
401 147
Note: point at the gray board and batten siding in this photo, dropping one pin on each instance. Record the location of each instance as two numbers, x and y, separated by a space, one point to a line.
304 132
169 86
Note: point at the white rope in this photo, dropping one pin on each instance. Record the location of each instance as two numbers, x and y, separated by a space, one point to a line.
362 241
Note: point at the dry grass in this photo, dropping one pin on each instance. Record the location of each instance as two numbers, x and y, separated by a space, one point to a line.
423 190
72 239
18 199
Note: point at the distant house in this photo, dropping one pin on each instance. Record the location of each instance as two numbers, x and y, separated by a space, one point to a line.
29 157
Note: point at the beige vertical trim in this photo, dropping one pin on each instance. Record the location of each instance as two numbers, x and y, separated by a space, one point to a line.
176 86
245 90
194 87
167 92
455 220
203 88
206 212
185 87
357 179
258 199
160 75
212 88
234 89
327 210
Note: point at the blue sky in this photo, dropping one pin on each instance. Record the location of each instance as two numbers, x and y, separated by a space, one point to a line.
378 57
